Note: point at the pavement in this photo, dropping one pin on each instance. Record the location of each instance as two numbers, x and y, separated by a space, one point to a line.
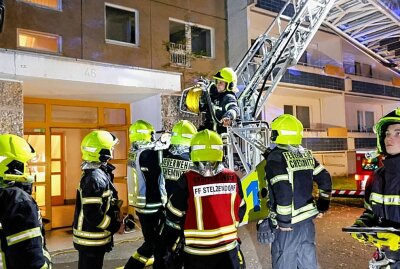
59 243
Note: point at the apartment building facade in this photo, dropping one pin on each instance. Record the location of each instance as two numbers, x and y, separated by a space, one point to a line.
68 67
336 90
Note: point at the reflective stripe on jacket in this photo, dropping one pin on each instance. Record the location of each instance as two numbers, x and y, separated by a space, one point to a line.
21 231
96 216
209 209
290 176
146 186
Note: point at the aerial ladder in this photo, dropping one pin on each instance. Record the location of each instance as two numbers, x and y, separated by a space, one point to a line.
259 73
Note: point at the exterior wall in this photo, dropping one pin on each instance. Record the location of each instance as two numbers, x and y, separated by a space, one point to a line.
83 31
172 114
333 110
11 107
207 13
352 108
275 103
31 17
237 30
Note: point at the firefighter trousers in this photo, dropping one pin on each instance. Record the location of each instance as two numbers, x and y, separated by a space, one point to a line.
90 259
295 249
226 260
150 224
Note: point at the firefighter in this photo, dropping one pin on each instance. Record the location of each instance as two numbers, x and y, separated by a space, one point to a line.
176 159
22 240
382 193
206 208
146 190
290 173
224 101
97 209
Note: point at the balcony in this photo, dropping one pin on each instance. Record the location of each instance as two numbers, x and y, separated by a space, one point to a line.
179 55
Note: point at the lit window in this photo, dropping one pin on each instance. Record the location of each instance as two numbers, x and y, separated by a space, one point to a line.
39 41
187 39
121 25
53 4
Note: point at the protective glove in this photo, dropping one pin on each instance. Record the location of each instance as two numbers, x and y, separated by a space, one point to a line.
265 231
360 237
390 240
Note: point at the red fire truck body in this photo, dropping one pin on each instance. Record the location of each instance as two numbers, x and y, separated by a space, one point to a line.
366 163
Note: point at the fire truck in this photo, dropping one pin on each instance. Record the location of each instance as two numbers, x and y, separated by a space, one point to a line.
366 163
259 72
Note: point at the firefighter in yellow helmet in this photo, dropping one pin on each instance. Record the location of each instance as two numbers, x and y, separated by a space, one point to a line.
206 208
224 101
146 190
290 173
22 242
382 193
97 209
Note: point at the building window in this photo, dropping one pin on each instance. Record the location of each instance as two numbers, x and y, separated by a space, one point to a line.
187 40
53 4
39 41
302 113
121 25
365 121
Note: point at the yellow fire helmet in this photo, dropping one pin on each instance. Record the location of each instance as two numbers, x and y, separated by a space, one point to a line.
206 146
229 76
141 131
15 152
381 126
286 130
182 133
98 145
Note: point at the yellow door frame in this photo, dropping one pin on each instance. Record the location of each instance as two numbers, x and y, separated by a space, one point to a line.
47 124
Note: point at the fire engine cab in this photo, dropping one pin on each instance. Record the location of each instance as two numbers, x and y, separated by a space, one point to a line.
367 162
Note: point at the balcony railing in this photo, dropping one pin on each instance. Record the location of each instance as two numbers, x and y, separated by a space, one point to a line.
179 55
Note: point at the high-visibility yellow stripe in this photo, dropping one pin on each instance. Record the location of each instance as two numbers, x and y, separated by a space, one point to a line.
304 215
107 193
174 210
318 169
172 224
284 210
146 210
140 258
91 234
3 260
233 198
307 207
210 251
385 199
210 241
211 233
199 212
105 222
92 200
278 178
91 242
24 235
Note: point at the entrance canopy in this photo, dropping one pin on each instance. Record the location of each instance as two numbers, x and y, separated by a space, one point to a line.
55 77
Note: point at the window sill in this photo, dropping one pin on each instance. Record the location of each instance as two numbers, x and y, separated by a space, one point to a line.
120 43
